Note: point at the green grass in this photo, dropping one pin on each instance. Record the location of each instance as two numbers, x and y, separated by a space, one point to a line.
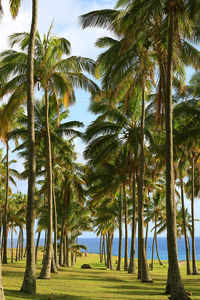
97 283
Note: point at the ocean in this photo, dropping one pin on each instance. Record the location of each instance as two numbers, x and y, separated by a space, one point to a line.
93 246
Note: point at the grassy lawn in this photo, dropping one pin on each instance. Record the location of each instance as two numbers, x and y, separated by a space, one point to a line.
97 283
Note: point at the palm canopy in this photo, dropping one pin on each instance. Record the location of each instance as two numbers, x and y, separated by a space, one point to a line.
14 7
52 69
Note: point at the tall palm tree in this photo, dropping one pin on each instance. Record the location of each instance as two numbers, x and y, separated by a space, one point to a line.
29 282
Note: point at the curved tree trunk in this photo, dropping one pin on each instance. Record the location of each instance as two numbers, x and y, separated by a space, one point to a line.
184 228
194 265
120 232
132 265
126 230
145 275
46 268
174 286
156 242
29 282
5 229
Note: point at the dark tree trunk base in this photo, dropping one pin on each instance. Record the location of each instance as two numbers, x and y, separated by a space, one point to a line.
29 284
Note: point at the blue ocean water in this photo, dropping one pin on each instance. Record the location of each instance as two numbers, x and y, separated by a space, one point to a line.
93 246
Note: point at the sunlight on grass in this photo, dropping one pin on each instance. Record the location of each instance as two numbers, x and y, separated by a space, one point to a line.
97 283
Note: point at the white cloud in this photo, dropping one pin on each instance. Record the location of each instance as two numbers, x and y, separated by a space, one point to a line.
65 14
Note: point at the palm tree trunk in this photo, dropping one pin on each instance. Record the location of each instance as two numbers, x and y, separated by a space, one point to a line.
146 236
132 265
29 282
19 247
152 253
126 230
46 268
53 265
156 242
66 201
174 286
111 246
55 227
120 232
16 256
107 250
100 248
189 250
5 230
145 275
194 265
104 249
11 245
67 249
184 228
22 243
64 249
37 244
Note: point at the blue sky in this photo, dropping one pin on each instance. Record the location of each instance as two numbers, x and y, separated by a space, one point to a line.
65 14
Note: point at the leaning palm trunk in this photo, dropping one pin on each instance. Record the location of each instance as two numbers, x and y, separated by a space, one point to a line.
194 265
29 283
37 244
126 230
156 242
5 230
144 271
174 284
120 232
132 265
184 228
46 268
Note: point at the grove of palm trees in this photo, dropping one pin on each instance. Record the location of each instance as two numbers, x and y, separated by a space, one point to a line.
123 169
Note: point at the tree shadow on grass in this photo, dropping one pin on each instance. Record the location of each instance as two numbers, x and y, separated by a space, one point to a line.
135 291
17 294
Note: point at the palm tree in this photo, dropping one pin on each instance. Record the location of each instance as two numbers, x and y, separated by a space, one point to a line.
56 76
29 282
14 7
